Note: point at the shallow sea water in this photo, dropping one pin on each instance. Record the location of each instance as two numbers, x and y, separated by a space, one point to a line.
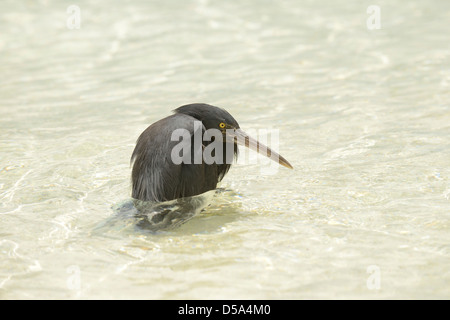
363 116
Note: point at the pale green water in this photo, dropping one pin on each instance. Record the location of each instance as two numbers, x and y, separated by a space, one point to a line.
363 116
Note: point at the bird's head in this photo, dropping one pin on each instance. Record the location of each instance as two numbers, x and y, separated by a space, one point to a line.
212 117
217 118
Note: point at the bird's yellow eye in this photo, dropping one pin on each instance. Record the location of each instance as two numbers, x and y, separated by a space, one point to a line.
222 125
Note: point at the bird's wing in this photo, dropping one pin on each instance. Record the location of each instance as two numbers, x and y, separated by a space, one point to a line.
155 176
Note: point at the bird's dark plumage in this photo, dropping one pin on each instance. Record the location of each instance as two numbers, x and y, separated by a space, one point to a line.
155 177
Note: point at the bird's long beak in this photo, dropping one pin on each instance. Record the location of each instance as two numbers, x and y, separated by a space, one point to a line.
243 139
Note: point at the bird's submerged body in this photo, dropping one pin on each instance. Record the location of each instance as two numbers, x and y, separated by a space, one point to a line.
132 215
157 177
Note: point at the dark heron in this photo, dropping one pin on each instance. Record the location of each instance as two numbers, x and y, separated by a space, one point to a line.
157 177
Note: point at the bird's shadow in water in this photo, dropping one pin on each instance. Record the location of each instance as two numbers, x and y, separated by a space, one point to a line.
143 217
